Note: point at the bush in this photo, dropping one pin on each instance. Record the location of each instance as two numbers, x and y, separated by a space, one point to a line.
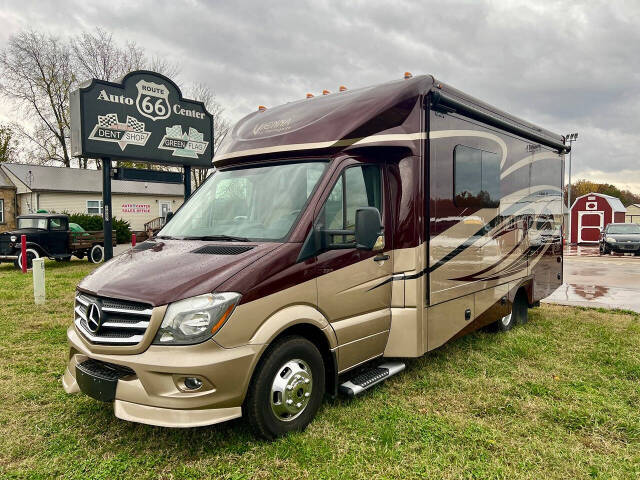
94 223
123 230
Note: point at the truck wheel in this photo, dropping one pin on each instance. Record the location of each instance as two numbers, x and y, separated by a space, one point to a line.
31 254
287 388
96 254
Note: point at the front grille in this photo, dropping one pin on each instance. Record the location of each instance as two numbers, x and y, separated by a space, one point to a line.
105 370
112 321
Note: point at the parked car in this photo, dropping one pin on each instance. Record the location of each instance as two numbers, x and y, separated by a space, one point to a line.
620 238
51 236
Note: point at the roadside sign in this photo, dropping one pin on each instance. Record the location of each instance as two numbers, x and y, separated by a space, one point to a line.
141 118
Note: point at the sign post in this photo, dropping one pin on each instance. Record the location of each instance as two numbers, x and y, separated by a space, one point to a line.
106 208
141 118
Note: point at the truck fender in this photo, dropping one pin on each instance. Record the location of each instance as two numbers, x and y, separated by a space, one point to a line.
41 250
289 317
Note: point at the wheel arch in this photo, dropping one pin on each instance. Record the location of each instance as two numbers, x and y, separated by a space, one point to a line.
307 322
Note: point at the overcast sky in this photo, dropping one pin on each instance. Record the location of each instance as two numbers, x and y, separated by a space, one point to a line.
565 65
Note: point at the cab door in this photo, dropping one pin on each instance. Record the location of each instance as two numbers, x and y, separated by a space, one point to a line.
57 238
354 291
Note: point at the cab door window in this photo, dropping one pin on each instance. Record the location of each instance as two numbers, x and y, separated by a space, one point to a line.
357 187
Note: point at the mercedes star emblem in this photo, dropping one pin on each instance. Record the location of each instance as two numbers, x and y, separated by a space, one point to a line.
94 317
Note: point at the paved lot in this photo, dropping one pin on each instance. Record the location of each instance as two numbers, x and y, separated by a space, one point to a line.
611 281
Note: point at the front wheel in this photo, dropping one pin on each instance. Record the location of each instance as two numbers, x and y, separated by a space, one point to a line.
286 389
96 254
31 255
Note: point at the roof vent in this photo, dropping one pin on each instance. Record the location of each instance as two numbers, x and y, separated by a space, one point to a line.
223 249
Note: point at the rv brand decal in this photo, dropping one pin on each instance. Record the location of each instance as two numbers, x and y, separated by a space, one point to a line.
275 126
183 145
109 129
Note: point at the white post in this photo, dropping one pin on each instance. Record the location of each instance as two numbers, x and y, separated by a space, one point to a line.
38 280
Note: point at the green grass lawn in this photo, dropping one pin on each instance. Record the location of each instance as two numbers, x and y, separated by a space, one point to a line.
556 398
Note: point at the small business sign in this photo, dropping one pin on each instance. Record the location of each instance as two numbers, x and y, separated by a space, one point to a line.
142 118
136 208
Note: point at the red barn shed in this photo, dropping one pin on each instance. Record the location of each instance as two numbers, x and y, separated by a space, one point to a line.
591 213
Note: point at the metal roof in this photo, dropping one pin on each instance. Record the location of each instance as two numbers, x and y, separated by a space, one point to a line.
5 182
79 180
614 202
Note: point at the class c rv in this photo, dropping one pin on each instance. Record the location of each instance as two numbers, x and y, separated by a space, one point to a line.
338 235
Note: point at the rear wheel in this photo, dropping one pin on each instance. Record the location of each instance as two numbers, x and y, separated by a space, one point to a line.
519 313
287 388
520 309
96 254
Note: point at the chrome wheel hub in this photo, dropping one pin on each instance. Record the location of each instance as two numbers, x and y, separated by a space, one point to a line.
291 389
506 320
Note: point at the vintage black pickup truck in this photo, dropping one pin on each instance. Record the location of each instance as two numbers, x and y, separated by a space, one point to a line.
48 235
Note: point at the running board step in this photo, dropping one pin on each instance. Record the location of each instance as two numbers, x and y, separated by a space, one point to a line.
369 378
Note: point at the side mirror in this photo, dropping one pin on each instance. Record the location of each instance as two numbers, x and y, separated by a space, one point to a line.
169 217
368 232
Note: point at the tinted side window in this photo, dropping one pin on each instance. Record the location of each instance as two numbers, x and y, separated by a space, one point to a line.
357 187
476 178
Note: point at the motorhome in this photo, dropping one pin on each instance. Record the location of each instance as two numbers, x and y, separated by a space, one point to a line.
338 236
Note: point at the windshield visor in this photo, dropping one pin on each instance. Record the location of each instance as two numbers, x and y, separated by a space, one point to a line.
260 203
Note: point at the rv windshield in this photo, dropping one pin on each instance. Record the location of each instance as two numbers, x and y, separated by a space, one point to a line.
259 203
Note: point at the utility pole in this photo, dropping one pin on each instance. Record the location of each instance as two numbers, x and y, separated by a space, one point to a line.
571 137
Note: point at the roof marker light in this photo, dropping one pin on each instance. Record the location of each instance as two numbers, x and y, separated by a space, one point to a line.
407 75
309 95
326 92
261 108
343 88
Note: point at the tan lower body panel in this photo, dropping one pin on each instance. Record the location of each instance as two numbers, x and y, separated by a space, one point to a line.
359 351
405 336
157 385
166 417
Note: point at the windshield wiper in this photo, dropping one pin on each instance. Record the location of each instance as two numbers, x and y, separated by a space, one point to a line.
224 238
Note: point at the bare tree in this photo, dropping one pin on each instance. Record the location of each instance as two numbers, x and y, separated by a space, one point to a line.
202 93
37 75
97 55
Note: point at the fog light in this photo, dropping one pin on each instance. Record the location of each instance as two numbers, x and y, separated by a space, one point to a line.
192 383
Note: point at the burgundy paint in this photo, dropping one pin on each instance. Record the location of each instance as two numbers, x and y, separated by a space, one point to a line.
133 239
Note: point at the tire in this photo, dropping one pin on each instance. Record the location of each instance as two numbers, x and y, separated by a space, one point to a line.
519 314
290 371
96 254
520 308
31 254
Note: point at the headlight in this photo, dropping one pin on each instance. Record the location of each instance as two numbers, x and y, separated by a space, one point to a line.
196 319
610 240
13 238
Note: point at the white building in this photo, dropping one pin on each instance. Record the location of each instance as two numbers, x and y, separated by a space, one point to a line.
73 190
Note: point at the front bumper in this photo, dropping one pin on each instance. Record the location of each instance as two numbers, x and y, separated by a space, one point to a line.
624 247
154 394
